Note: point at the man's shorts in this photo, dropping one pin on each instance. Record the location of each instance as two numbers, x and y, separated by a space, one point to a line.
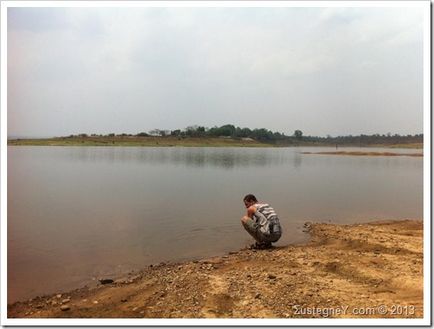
253 229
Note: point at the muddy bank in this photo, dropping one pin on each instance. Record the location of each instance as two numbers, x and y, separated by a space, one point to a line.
368 270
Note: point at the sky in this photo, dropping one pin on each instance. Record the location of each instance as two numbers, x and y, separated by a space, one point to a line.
325 71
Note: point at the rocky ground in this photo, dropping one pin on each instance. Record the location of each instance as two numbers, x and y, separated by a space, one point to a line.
368 270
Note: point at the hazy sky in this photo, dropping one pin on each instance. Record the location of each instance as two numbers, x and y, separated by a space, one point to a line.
334 71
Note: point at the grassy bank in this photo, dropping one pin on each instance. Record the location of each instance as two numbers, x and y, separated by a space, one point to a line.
349 270
179 141
139 141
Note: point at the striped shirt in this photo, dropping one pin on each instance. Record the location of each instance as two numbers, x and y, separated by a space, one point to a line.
263 216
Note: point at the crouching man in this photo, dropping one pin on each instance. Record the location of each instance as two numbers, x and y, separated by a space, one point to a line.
261 222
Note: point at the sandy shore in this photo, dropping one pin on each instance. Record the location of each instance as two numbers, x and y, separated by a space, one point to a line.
344 271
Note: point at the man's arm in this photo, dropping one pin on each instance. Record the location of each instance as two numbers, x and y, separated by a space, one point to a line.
251 211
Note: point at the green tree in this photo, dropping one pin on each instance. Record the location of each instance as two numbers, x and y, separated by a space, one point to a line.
298 134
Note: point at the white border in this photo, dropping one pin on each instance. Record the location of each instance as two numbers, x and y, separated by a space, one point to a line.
427 247
3 163
253 322
242 3
215 322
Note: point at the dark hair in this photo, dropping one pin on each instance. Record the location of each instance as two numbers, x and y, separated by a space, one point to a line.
250 197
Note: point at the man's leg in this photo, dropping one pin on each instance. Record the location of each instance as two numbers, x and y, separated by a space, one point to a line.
251 227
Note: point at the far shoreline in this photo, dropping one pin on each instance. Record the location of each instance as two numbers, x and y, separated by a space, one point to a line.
169 141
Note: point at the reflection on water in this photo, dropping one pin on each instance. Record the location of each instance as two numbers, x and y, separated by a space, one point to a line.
77 213
193 156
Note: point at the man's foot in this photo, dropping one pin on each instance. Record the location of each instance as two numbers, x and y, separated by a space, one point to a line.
261 246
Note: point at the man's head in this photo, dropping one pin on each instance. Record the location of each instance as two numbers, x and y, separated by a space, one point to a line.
249 200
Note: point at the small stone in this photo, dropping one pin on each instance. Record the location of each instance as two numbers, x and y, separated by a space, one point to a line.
135 308
95 302
64 307
123 300
106 281
39 306
258 295
59 296
271 276
66 300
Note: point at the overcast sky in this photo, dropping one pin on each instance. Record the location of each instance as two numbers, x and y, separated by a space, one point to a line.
334 71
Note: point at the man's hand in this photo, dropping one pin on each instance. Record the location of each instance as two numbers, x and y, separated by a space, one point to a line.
244 219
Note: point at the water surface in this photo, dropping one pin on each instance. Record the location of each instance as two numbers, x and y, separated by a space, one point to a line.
80 213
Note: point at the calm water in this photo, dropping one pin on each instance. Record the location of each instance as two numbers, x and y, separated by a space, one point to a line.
80 213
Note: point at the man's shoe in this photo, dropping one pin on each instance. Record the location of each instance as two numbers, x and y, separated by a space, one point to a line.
261 246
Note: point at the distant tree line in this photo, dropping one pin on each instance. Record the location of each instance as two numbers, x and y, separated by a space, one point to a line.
268 136
229 131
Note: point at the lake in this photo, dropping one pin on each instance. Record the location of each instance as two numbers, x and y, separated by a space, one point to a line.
76 214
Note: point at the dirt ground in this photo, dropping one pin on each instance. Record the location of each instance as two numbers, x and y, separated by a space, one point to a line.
369 270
